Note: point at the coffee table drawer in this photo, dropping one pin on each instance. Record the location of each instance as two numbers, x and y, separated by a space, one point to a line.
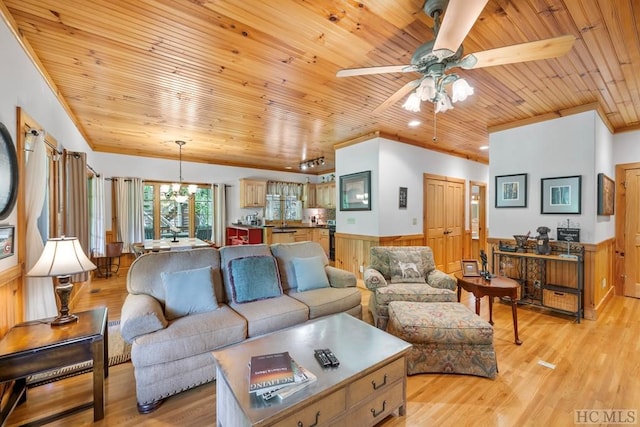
319 412
375 410
364 387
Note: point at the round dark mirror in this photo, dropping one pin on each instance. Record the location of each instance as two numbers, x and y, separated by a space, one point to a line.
8 173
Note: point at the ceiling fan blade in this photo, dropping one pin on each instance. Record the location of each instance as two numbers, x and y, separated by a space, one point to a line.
531 51
404 90
459 17
348 72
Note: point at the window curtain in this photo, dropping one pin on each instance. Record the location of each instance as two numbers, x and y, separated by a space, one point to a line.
129 194
40 300
285 189
97 218
219 214
76 213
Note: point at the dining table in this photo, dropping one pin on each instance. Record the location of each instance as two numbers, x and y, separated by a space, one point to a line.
180 244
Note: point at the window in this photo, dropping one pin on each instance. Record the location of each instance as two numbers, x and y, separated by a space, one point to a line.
169 213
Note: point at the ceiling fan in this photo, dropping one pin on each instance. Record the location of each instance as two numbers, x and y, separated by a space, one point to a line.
435 57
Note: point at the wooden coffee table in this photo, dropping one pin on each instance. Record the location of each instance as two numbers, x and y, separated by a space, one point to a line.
496 287
369 384
33 347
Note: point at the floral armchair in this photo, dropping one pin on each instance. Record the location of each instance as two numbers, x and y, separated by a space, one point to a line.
404 273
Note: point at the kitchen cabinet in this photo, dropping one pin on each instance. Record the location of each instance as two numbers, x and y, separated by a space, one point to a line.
302 235
321 235
309 196
244 235
326 195
283 237
253 193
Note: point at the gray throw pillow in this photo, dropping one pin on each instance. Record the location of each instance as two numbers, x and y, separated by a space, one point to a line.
309 273
254 278
188 292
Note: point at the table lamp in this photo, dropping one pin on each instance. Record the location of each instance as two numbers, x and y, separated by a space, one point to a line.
61 258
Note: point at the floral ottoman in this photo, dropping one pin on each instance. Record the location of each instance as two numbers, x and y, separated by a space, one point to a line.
447 337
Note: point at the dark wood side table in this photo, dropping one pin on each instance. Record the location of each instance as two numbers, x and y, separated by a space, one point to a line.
33 347
496 287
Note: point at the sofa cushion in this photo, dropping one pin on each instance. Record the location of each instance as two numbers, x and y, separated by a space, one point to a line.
270 315
254 278
189 336
325 301
406 267
310 273
286 252
188 292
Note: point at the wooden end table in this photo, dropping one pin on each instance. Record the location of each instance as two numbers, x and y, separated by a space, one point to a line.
498 286
33 347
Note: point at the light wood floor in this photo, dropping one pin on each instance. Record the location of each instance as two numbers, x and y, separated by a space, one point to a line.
597 367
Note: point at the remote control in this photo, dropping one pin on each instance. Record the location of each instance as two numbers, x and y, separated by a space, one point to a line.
332 358
322 358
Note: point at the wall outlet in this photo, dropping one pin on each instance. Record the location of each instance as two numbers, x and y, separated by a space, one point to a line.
415 221
362 269
351 220
603 282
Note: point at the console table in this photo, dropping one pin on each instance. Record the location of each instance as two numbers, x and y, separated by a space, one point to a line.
33 347
559 288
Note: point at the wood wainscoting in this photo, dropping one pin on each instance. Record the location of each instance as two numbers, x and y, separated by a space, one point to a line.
599 262
10 301
352 250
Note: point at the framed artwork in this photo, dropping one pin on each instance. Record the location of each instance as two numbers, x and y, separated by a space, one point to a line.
6 240
606 195
402 198
511 191
470 268
354 191
561 195
8 173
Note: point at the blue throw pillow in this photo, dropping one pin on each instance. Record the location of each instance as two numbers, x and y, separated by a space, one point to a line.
254 278
187 292
309 273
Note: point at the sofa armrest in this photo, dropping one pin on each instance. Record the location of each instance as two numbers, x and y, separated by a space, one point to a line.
374 279
440 279
339 278
141 314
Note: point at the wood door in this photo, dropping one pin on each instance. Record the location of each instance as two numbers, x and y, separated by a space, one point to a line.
444 220
632 234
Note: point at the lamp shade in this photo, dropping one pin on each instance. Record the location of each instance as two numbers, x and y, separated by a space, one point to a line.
61 257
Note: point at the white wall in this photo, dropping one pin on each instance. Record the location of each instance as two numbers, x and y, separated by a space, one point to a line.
395 165
574 145
21 85
626 147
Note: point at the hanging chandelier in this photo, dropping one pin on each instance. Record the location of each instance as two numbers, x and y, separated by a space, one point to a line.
175 192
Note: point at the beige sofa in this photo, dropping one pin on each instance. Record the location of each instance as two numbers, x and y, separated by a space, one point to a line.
172 334
404 273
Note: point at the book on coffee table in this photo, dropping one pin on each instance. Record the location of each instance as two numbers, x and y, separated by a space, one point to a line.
268 372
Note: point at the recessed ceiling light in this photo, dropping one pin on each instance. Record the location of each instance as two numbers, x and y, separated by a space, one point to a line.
288 167
484 147
414 123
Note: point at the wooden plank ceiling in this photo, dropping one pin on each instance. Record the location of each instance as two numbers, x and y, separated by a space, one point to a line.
252 83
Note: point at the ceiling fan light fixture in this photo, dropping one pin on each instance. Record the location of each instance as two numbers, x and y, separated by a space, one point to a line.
460 90
443 103
413 102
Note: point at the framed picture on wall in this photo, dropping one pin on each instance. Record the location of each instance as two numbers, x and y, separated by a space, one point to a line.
354 191
561 195
511 191
402 198
606 195
6 240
